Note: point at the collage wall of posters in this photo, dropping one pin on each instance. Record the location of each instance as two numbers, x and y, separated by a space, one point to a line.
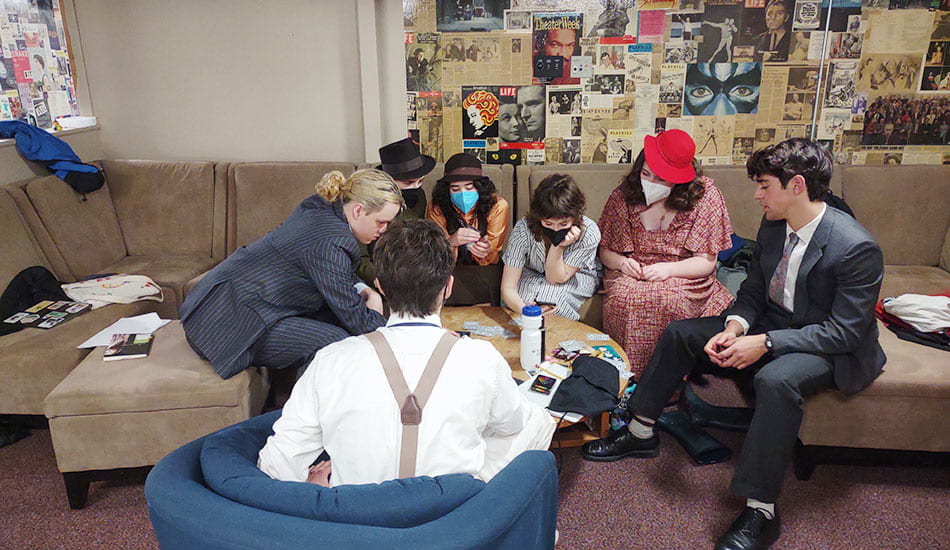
583 81
36 83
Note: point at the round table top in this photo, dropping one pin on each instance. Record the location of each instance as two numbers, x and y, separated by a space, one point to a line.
557 329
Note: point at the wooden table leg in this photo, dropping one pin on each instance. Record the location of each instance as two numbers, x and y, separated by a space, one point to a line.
575 435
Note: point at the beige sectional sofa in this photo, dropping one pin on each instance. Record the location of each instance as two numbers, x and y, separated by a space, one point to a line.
175 220
161 219
34 361
907 209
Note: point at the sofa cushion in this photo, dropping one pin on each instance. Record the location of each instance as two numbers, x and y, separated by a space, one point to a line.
913 279
261 195
163 207
18 248
945 252
84 228
171 377
904 408
171 272
744 211
33 361
229 465
904 207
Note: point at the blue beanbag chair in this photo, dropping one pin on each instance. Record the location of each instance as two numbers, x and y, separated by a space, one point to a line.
229 465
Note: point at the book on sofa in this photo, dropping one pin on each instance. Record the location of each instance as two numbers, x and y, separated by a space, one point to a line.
48 314
128 346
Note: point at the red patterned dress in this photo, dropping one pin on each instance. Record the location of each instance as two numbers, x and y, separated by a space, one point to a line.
636 312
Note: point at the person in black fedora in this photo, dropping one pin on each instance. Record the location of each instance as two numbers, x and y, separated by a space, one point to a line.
403 161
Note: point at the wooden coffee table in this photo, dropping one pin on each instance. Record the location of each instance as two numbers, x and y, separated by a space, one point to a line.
557 329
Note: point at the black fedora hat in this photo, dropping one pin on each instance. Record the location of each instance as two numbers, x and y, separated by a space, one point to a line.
402 160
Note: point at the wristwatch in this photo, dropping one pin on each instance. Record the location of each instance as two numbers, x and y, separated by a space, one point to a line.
768 343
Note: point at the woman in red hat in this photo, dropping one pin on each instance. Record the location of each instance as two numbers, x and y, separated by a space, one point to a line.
662 228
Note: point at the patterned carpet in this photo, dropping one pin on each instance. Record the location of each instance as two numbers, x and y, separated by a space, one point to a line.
664 503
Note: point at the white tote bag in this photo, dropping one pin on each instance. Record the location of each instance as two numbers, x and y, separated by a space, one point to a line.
114 289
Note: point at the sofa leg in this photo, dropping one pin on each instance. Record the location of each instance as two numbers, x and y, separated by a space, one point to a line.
77 488
802 463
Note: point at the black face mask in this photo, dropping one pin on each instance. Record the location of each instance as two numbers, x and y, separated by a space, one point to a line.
556 237
411 196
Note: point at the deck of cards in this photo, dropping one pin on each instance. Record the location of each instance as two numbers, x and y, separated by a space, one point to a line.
488 331
47 314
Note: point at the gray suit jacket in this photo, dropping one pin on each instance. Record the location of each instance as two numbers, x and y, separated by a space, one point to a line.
304 266
837 287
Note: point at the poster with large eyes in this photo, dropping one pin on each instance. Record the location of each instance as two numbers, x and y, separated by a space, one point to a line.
722 88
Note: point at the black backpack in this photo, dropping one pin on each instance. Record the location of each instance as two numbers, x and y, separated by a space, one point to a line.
30 286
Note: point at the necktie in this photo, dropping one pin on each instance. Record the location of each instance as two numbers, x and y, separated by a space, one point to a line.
777 284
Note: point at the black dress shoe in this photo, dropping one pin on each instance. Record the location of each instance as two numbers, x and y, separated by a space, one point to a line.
752 530
620 444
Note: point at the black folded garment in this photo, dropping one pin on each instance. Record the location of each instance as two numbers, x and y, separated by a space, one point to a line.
591 388
735 419
703 448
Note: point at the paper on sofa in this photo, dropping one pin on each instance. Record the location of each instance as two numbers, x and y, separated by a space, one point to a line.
140 324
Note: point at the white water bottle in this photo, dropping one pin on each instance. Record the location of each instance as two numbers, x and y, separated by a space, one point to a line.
532 338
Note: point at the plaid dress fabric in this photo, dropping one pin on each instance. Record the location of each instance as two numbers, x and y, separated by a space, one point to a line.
636 312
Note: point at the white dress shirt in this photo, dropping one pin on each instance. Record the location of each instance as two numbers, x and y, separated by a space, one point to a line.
805 235
475 421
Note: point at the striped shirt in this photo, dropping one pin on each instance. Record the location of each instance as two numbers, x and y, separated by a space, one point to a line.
528 254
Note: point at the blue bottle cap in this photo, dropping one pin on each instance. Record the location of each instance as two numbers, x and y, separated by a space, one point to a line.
531 311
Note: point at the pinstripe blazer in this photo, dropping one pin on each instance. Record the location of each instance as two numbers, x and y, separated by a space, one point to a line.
305 265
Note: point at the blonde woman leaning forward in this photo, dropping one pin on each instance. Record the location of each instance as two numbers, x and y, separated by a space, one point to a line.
276 302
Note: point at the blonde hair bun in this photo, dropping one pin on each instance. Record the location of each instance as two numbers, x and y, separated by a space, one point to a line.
371 188
332 185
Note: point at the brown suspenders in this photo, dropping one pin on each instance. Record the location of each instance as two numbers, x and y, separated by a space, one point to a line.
411 403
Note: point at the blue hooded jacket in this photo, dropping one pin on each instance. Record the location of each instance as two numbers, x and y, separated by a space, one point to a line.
38 145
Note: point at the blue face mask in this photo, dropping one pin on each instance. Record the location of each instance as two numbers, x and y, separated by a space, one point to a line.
464 200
